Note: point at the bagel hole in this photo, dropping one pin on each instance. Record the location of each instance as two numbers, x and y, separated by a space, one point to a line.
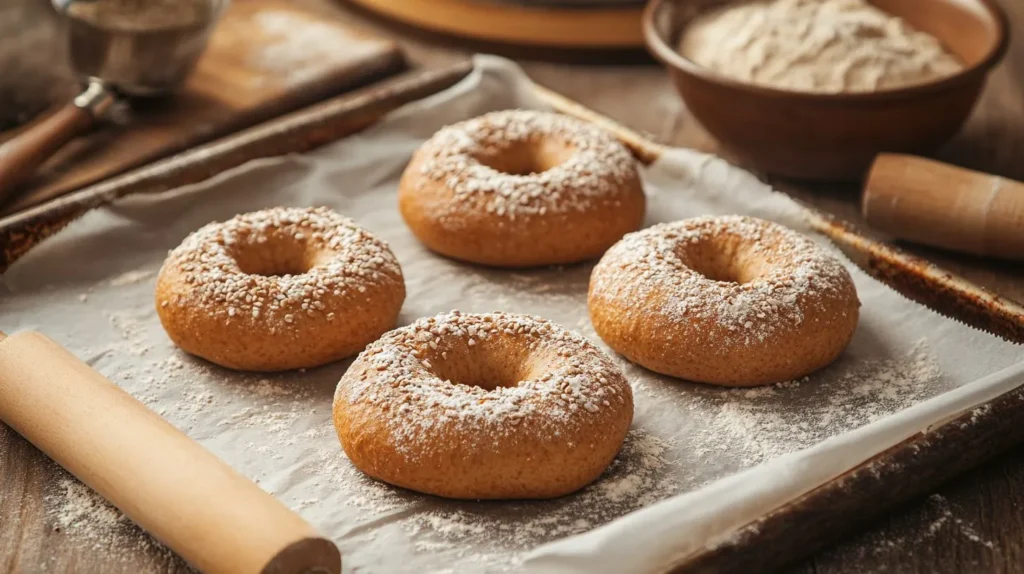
480 367
278 256
526 158
719 263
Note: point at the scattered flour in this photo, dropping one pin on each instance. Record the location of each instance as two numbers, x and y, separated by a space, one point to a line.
87 520
947 516
766 422
131 277
131 325
298 49
495 534
79 506
905 531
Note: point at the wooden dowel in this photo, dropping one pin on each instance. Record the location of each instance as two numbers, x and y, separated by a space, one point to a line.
945 206
22 155
166 483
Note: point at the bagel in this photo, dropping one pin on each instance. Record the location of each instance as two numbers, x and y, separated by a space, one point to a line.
494 406
734 301
279 289
521 188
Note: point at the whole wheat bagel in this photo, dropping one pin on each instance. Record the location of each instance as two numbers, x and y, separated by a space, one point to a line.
279 289
733 301
483 406
521 188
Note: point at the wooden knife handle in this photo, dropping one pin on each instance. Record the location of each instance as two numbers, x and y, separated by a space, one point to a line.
166 483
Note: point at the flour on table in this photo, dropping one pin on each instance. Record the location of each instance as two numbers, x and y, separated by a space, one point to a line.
78 505
87 520
298 49
904 530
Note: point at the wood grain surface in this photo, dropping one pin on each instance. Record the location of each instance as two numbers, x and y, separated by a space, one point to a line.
266 57
975 523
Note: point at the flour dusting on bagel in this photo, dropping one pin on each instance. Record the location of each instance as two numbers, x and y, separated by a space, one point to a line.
279 289
521 188
483 406
731 300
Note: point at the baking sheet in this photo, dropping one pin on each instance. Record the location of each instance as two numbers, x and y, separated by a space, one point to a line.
716 458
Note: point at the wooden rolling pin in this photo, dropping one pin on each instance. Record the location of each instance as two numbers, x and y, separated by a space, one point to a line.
945 206
168 484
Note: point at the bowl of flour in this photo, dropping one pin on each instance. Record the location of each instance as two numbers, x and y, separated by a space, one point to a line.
814 89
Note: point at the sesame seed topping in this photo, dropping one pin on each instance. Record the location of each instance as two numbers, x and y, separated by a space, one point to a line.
565 392
321 251
793 272
597 168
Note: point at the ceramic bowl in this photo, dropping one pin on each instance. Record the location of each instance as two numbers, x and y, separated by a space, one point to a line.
834 137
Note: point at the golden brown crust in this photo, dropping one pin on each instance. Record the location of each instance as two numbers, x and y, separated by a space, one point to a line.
779 307
521 188
483 407
279 289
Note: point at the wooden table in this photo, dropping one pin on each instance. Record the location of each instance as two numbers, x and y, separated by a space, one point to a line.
973 524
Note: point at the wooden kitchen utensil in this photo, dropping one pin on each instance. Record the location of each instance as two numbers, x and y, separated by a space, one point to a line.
138 53
165 482
937 204
553 25
265 58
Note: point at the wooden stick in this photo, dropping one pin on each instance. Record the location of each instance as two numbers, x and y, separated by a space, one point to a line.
945 206
644 150
165 482
22 155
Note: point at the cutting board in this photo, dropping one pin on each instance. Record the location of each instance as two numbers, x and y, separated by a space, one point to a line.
553 25
265 58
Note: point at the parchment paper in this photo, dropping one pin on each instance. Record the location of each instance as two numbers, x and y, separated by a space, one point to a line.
714 458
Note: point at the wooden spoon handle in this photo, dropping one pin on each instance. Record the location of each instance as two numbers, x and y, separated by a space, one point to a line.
22 155
161 479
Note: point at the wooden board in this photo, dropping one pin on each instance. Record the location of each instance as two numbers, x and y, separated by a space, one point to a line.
266 57
595 26
783 535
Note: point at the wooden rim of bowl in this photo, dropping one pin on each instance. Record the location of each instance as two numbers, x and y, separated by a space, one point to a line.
660 49
560 26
